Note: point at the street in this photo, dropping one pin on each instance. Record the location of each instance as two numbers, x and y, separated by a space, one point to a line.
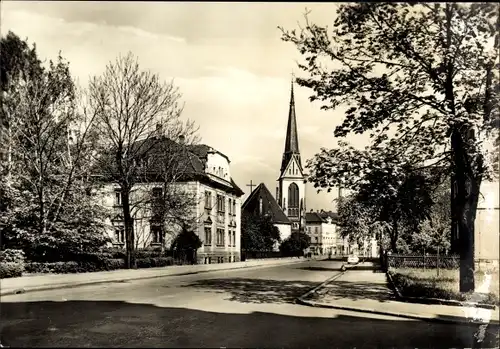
239 308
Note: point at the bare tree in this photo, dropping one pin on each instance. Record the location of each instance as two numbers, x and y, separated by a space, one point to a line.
136 114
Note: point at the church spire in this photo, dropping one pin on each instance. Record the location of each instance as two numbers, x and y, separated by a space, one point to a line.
292 139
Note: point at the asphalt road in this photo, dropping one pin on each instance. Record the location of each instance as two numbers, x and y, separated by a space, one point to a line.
240 308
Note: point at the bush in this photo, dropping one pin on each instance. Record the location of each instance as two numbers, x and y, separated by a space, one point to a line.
154 262
11 270
12 256
75 267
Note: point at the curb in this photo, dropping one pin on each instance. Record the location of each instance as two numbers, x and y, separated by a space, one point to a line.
302 301
425 300
90 283
343 269
401 315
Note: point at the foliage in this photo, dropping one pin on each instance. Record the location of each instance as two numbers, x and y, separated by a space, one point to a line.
435 231
11 269
295 244
12 256
47 204
427 284
186 240
422 81
186 244
258 233
154 262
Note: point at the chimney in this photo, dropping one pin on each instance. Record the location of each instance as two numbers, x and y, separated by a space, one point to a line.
182 139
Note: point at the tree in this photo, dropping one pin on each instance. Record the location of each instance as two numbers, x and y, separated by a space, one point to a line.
136 112
428 73
295 244
435 231
258 233
48 208
186 243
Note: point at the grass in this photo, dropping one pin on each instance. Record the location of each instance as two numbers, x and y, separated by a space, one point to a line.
426 283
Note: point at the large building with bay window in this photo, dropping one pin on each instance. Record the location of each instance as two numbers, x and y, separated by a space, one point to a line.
211 198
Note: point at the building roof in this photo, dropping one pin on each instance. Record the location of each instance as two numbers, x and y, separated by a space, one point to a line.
165 157
269 205
292 138
321 217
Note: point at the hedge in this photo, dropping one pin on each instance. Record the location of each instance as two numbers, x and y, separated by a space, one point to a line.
103 265
11 270
12 256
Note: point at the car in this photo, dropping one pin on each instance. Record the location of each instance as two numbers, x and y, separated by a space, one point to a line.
352 259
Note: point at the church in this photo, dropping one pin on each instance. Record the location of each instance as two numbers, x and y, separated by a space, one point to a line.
289 207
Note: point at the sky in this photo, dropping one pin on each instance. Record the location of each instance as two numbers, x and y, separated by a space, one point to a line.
228 60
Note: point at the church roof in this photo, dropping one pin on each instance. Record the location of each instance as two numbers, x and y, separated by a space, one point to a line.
269 205
292 138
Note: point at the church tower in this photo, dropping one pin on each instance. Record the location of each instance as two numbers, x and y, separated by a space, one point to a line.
291 191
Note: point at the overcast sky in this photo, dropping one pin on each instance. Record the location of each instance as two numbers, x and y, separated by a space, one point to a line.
227 58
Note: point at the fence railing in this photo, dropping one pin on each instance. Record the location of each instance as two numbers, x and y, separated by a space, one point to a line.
422 261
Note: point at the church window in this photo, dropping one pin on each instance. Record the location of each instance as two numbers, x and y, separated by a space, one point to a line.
260 205
293 200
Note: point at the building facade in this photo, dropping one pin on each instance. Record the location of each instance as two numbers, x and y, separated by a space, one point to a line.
322 229
291 188
486 225
212 208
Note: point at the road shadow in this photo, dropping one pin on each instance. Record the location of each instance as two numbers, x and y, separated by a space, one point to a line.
354 291
318 268
122 324
246 290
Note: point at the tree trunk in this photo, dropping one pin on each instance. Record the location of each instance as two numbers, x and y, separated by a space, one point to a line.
394 236
454 240
129 227
466 200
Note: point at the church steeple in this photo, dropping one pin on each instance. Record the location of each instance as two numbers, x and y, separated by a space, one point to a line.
292 139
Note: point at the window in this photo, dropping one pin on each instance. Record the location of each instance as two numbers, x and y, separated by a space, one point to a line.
293 200
118 197
120 234
230 207
316 229
208 236
220 237
220 204
156 234
157 193
208 200
234 207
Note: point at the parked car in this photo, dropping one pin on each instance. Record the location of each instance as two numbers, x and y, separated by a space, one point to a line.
352 259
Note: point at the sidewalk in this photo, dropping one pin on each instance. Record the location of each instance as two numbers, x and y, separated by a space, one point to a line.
365 290
55 281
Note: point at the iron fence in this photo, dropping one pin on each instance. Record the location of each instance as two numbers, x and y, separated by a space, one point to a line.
421 261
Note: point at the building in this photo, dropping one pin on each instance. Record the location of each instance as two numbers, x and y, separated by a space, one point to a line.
261 202
212 200
486 225
322 229
291 188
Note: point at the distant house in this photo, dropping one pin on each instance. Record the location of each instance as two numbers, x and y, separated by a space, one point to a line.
487 225
322 229
215 209
261 202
